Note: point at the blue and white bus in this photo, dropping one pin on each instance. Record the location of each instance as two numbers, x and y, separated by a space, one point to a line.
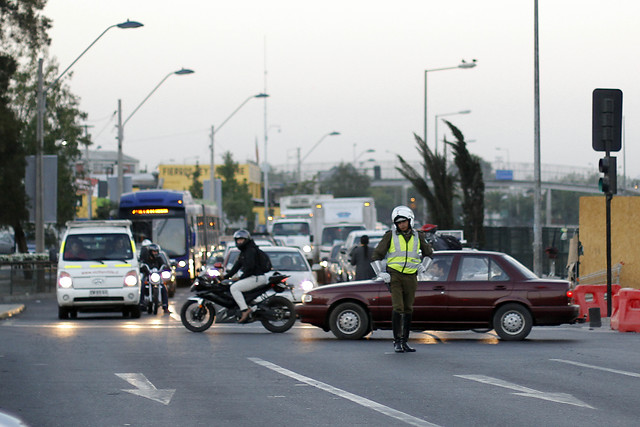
184 229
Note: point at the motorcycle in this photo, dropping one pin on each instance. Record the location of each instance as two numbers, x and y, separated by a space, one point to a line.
151 299
213 302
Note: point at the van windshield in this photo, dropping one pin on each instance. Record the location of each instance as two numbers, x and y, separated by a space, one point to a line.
105 247
291 229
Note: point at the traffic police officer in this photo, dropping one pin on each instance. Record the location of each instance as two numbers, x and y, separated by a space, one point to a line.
404 247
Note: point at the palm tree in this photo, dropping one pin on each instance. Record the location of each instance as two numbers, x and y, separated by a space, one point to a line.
440 198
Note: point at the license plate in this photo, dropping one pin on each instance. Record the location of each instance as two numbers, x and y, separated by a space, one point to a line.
99 293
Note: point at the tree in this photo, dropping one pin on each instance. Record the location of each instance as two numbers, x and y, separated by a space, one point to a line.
472 186
440 199
196 185
345 181
236 198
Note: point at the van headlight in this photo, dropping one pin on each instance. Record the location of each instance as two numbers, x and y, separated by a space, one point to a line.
182 263
306 249
131 279
64 280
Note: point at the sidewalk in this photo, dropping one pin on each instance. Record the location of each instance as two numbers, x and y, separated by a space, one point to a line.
9 310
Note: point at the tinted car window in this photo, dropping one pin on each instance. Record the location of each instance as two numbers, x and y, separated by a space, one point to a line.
480 268
82 247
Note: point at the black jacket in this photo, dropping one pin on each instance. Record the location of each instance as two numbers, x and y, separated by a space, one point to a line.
247 261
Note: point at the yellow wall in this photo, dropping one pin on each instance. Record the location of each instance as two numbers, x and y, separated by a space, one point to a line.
625 229
178 177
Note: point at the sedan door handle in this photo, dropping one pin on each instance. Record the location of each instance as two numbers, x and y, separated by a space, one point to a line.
500 287
438 288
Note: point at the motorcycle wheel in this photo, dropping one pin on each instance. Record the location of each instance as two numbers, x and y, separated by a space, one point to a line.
156 300
197 318
285 315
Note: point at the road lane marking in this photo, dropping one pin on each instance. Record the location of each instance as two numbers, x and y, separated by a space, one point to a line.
526 391
401 416
146 389
600 368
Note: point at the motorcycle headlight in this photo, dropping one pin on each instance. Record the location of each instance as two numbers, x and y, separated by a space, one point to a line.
154 277
166 275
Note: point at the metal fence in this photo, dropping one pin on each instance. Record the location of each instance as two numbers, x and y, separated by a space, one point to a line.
27 277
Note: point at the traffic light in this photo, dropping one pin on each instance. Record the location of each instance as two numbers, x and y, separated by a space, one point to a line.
609 182
412 202
607 120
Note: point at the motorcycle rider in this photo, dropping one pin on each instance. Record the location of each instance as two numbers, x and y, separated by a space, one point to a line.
150 256
404 247
253 273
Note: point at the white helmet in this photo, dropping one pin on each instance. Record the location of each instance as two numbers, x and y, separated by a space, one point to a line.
145 242
402 212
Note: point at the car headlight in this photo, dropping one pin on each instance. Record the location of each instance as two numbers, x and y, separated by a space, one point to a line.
65 281
306 285
131 279
324 264
166 275
307 298
213 272
306 248
182 263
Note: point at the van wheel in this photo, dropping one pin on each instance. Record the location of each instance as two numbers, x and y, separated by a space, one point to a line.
135 312
63 313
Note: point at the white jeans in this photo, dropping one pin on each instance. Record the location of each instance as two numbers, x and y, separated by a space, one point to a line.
245 285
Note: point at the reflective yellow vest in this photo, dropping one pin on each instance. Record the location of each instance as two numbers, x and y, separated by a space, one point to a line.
403 256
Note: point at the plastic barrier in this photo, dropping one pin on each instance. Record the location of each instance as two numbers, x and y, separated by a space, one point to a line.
627 313
588 296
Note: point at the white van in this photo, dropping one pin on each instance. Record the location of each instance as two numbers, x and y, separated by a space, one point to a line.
98 269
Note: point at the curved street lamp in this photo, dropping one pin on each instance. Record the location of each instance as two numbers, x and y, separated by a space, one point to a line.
41 98
212 166
463 65
180 72
313 148
444 115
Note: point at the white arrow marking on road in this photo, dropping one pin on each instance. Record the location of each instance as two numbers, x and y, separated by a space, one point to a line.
146 389
528 392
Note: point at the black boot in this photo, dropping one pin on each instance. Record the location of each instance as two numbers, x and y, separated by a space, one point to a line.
396 324
406 328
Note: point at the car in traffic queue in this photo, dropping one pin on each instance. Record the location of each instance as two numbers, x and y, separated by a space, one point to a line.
347 270
289 261
460 290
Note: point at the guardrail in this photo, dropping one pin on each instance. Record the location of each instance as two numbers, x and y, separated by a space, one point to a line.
27 277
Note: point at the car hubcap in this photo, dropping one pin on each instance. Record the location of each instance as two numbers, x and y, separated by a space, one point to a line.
512 323
348 322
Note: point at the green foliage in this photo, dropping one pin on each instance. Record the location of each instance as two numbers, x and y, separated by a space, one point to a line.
196 185
440 198
237 202
104 208
472 186
345 181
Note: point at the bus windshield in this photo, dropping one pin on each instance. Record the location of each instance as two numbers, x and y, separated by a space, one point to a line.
169 233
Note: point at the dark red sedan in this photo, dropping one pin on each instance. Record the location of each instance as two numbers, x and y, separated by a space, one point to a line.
460 290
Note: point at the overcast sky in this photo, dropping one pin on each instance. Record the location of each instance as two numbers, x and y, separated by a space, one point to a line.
351 66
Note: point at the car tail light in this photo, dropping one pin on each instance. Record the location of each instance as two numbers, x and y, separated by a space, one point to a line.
570 294
64 280
131 279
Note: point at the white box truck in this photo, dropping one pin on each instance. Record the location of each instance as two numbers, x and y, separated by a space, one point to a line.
334 219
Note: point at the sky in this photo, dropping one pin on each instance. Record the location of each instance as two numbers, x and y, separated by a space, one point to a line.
350 66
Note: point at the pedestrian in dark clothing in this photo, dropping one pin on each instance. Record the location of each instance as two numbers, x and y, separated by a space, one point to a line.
361 258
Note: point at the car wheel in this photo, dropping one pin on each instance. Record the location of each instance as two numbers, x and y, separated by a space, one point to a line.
512 322
349 321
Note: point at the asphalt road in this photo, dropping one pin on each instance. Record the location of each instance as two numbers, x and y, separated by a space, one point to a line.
103 370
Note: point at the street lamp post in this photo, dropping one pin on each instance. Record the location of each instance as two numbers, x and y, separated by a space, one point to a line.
463 65
355 158
41 98
212 167
443 115
313 148
121 124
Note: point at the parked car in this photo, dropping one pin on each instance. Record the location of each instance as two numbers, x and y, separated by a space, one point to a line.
288 261
476 290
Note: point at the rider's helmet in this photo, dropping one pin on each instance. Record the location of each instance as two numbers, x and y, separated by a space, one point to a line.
401 213
241 234
145 242
153 251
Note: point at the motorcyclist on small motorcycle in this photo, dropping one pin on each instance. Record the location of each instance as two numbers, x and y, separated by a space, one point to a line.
150 258
253 272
